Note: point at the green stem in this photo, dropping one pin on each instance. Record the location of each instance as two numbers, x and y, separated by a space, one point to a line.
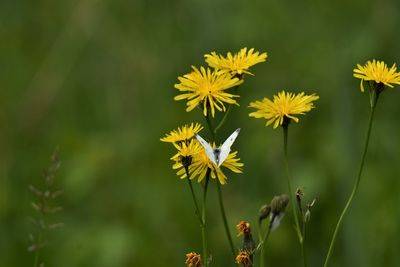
356 182
194 197
296 219
263 241
203 219
303 249
222 122
262 247
221 205
210 127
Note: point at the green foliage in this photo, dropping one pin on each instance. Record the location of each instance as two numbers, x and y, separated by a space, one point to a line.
96 78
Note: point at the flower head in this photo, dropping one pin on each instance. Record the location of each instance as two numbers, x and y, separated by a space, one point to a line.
236 64
378 72
201 164
243 258
243 227
182 134
284 106
193 260
186 152
206 88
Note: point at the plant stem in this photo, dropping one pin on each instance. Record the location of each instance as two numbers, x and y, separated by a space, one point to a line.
262 247
210 127
300 236
194 197
203 219
356 182
303 249
226 113
263 241
221 205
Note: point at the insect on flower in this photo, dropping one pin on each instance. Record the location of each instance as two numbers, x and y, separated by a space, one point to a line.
218 155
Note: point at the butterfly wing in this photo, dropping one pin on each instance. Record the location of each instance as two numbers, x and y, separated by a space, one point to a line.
276 220
208 148
226 147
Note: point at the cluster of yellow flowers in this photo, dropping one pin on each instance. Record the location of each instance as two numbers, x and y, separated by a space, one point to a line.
209 89
191 159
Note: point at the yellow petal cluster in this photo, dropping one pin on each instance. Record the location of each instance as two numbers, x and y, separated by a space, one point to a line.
207 88
191 154
183 133
236 64
378 72
284 105
201 164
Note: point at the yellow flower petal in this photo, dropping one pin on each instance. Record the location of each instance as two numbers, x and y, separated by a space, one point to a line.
284 105
378 72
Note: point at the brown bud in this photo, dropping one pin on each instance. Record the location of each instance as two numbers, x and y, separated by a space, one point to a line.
193 260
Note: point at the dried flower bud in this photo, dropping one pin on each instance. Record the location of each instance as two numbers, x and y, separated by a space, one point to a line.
299 194
193 260
243 228
299 198
243 258
307 215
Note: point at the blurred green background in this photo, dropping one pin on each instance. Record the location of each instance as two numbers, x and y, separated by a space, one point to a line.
96 78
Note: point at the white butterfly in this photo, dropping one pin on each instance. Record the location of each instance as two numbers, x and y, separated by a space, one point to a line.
218 155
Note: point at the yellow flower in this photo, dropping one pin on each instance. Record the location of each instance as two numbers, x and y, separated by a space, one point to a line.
243 258
193 260
378 72
206 88
201 164
186 152
182 134
284 105
237 64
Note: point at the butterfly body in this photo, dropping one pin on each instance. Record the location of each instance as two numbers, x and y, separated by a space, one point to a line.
218 155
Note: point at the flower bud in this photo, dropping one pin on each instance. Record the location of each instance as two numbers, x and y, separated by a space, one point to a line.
264 212
279 203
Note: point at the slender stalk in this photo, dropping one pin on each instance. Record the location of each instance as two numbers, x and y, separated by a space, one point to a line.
263 241
226 113
296 219
210 127
203 219
197 211
303 249
260 238
356 181
222 208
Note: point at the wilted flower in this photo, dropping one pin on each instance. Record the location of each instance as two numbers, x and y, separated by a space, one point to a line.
243 258
193 260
